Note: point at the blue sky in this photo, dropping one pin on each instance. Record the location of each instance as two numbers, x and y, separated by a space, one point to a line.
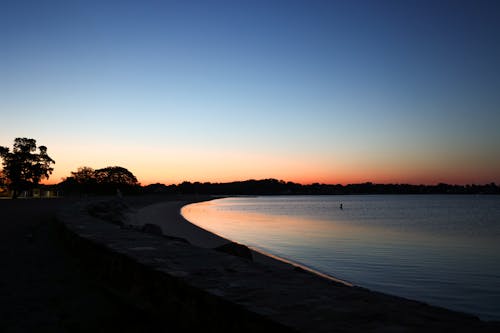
328 91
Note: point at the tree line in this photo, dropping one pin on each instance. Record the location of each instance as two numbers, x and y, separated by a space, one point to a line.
108 180
279 187
26 165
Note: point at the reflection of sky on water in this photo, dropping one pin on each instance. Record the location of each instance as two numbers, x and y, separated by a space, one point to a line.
439 249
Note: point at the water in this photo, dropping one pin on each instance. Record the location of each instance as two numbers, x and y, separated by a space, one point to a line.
443 250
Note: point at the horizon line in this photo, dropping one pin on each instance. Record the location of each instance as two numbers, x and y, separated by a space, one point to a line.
306 184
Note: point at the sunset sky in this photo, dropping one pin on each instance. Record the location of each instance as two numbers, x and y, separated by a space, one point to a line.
304 91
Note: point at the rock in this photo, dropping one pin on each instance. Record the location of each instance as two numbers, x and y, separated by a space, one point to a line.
110 210
151 228
236 249
177 239
299 269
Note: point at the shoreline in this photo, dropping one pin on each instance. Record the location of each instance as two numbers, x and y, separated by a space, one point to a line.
301 266
161 214
163 274
269 257
392 253
260 256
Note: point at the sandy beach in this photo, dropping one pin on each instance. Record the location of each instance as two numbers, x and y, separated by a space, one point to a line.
393 309
168 216
58 285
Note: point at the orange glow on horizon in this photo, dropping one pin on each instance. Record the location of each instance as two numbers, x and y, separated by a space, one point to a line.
304 178
176 164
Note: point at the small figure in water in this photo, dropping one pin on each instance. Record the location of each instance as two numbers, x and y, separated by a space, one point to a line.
341 206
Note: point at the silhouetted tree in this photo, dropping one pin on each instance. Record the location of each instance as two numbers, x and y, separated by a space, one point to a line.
23 167
279 187
159 188
84 175
101 181
83 180
111 179
115 175
3 182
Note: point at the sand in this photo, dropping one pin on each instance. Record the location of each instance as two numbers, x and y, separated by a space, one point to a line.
168 216
45 287
297 299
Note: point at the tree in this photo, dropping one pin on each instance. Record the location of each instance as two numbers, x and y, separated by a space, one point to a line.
103 181
84 179
3 182
115 175
84 175
114 178
23 167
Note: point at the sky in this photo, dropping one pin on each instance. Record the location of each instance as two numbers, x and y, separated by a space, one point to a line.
306 91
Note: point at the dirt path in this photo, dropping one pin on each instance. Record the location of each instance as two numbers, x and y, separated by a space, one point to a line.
43 288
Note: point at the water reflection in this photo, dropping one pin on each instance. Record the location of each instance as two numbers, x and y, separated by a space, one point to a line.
416 247
263 229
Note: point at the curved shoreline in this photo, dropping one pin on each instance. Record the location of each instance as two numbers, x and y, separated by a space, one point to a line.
257 222
265 257
208 289
162 214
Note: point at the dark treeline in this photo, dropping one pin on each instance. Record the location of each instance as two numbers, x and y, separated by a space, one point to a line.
24 166
109 180
276 187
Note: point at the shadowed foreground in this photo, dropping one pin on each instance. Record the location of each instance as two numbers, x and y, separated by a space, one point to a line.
213 291
44 289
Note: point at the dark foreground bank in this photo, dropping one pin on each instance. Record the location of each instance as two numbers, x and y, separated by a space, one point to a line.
214 291
46 288
94 276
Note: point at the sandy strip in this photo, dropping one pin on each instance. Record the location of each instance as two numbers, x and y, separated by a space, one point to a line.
168 216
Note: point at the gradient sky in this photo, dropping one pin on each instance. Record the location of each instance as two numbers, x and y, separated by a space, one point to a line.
306 91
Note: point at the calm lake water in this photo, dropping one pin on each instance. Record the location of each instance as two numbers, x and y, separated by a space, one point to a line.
440 249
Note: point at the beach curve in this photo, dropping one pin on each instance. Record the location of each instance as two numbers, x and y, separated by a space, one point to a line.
168 216
236 291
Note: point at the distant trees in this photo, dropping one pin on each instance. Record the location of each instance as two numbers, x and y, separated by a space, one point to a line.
23 167
279 187
101 181
3 183
82 180
115 176
84 175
